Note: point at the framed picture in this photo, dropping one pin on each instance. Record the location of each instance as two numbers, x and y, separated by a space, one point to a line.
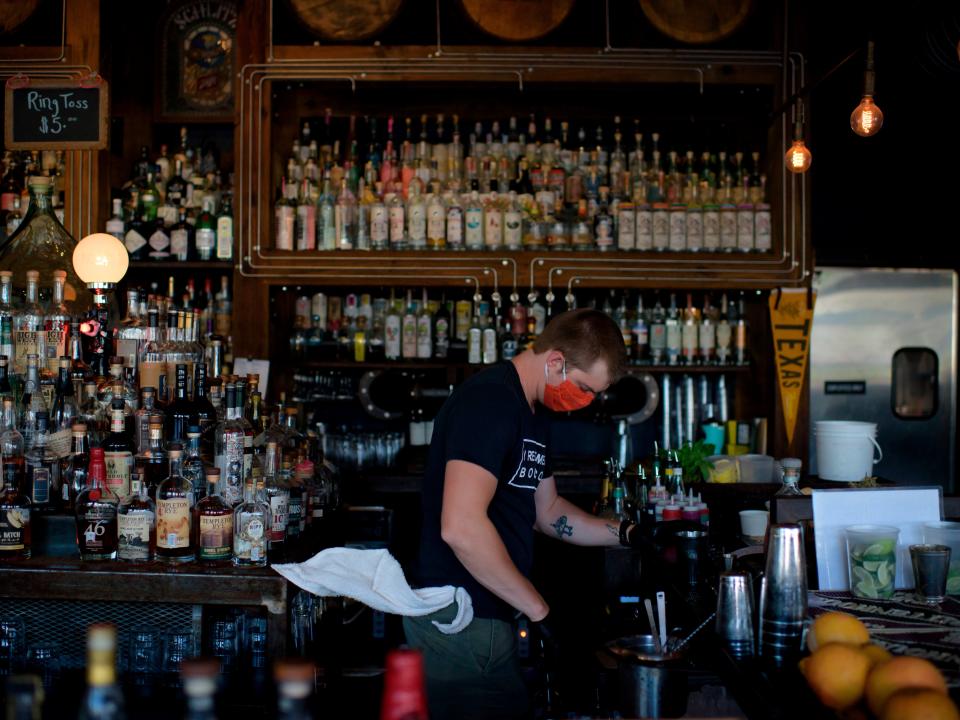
198 65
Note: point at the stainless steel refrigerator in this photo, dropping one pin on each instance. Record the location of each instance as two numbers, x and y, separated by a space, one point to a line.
884 350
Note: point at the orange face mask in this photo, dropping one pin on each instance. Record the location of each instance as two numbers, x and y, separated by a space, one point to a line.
565 396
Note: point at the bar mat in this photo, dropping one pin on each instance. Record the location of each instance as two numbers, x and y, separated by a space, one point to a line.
904 625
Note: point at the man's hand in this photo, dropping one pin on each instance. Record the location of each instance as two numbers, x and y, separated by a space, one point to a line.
466 528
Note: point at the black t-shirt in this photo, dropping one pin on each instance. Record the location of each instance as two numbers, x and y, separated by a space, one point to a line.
487 422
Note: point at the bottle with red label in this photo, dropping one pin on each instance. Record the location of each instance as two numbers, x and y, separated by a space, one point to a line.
97 513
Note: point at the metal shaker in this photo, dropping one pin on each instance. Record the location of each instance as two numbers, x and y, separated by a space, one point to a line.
735 613
783 594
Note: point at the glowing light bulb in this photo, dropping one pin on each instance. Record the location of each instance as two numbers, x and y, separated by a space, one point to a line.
866 119
100 258
798 157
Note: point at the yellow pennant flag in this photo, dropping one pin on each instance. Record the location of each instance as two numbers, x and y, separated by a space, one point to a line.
791 316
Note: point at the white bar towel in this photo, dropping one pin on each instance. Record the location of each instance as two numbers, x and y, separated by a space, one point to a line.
375 578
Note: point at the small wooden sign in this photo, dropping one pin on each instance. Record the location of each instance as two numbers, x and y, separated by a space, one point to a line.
791 316
43 114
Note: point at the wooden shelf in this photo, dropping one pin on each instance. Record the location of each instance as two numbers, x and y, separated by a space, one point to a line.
181 265
437 365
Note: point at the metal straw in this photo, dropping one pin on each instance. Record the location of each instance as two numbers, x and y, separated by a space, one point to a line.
653 626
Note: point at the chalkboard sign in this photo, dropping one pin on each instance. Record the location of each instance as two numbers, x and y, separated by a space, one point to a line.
55 115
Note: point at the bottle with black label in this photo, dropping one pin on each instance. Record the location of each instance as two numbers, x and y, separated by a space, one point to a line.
14 505
43 470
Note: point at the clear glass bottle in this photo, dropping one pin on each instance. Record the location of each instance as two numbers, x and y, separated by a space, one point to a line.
136 524
15 536
96 514
43 469
175 515
65 409
229 450
278 497
790 477
213 524
251 526
74 468
56 324
28 336
41 241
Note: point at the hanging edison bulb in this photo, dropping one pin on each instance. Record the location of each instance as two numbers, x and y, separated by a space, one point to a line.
866 118
798 158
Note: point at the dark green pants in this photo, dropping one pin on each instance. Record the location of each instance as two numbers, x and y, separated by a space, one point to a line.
472 675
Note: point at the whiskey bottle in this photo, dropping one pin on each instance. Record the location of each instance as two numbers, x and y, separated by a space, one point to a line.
174 515
64 405
251 527
56 325
136 524
14 505
229 449
179 413
104 698
278 497
75 467
118 451
213 524
151 464
97 514
192 466
28 327
204 414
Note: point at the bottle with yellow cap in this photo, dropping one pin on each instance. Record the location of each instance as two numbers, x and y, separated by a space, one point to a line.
103 699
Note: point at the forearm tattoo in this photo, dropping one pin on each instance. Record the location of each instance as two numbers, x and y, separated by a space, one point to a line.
562 527
615 531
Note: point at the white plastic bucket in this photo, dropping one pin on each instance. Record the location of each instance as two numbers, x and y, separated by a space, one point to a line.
845 450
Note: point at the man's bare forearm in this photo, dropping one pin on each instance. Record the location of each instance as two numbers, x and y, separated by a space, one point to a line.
565 521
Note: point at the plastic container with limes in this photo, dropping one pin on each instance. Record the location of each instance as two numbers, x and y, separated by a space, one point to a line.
872 556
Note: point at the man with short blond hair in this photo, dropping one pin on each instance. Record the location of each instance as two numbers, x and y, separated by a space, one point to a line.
488 485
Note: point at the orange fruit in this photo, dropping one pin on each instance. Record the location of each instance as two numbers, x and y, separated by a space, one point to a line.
901 672
876 653
919 704
836 627
837 673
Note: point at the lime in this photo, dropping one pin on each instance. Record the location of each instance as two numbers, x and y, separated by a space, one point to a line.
879 549
872 565
860 573
865 588
885 573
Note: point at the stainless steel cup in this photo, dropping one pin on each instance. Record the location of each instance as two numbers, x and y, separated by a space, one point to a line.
931 564
783 594
735 613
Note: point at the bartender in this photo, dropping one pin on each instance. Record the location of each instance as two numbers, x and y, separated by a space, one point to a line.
488 485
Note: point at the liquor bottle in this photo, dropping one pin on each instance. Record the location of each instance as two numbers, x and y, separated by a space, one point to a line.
392 332
441 331
416 217
180 412
204 415
7 312
708 332
724 332
200 677
396 216
213 524
103 699
424 330
305 225
182 240
436 222
603 231
159 239
641 334
489 341
97 513
56 324
673 332
192 466
176 191
75 467
142 418
248 434
205 237
474 232
295 680
64 410
14 217
740 332
345 217
15 536
134 239
408 330
6 389
475 341
326 217
118 451
689 332
225 230
493 222
28 327
136 524
278 496
454 223
404 690
251 526
658 335
285 215
174 515
43 469
229 449
151 362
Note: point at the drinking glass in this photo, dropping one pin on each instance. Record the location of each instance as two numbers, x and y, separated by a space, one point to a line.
145 650
872 558
13 641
